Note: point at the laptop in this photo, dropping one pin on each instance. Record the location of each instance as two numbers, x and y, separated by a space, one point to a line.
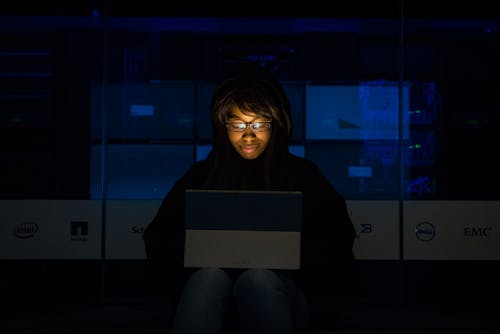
243 229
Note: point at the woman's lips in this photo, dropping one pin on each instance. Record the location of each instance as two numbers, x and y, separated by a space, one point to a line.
249 148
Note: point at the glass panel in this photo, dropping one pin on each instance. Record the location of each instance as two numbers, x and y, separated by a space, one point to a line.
44 102
203 124
295 92
149 111
359 169
139 171
368 111
452 65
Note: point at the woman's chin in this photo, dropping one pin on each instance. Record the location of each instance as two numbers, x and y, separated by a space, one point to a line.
249 155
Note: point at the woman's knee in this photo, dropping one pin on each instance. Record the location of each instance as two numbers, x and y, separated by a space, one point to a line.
209 280
254 281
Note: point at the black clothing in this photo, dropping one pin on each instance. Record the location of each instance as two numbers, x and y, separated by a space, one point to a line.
327 232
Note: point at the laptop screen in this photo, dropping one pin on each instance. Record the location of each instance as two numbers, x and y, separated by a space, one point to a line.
237 228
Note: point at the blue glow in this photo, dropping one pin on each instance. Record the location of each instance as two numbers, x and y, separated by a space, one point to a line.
369 111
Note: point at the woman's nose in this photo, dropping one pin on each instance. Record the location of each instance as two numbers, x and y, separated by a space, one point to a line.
248 132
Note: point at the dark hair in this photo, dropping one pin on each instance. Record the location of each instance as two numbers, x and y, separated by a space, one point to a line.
252 89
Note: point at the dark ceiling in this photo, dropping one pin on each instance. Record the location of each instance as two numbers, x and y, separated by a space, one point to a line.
255 8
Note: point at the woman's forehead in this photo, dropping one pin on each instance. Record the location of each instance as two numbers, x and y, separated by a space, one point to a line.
236 112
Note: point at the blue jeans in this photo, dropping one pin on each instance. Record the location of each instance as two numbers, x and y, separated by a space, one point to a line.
259 301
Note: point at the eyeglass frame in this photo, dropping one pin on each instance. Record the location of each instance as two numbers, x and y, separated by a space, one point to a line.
267 127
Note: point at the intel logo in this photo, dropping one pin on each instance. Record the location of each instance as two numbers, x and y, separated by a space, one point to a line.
425 231
26 230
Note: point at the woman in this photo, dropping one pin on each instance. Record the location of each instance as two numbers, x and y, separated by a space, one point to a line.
250 116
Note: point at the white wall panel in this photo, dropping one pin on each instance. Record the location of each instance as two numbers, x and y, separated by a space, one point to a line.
71 229
125 223
451 230
377 229
50 229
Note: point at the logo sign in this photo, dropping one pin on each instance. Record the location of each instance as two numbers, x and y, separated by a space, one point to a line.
477 231
137 229
26 230
425 231
365 229
79 230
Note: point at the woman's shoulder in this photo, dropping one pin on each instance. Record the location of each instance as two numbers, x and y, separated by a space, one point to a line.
196 172
301 163
198 166
309 174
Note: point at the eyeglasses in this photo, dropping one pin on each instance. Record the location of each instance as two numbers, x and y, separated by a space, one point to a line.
255 126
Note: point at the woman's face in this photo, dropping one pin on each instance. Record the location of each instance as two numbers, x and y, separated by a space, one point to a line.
248 142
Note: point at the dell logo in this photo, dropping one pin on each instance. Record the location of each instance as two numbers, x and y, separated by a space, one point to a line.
425 231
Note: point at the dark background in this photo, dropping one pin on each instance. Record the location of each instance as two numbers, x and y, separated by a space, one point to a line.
46 131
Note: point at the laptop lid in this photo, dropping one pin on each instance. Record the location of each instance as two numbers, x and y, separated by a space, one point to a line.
243 229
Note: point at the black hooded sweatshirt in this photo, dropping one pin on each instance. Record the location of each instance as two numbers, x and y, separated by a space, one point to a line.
327 235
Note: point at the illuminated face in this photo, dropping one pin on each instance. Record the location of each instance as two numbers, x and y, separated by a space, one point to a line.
249 134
